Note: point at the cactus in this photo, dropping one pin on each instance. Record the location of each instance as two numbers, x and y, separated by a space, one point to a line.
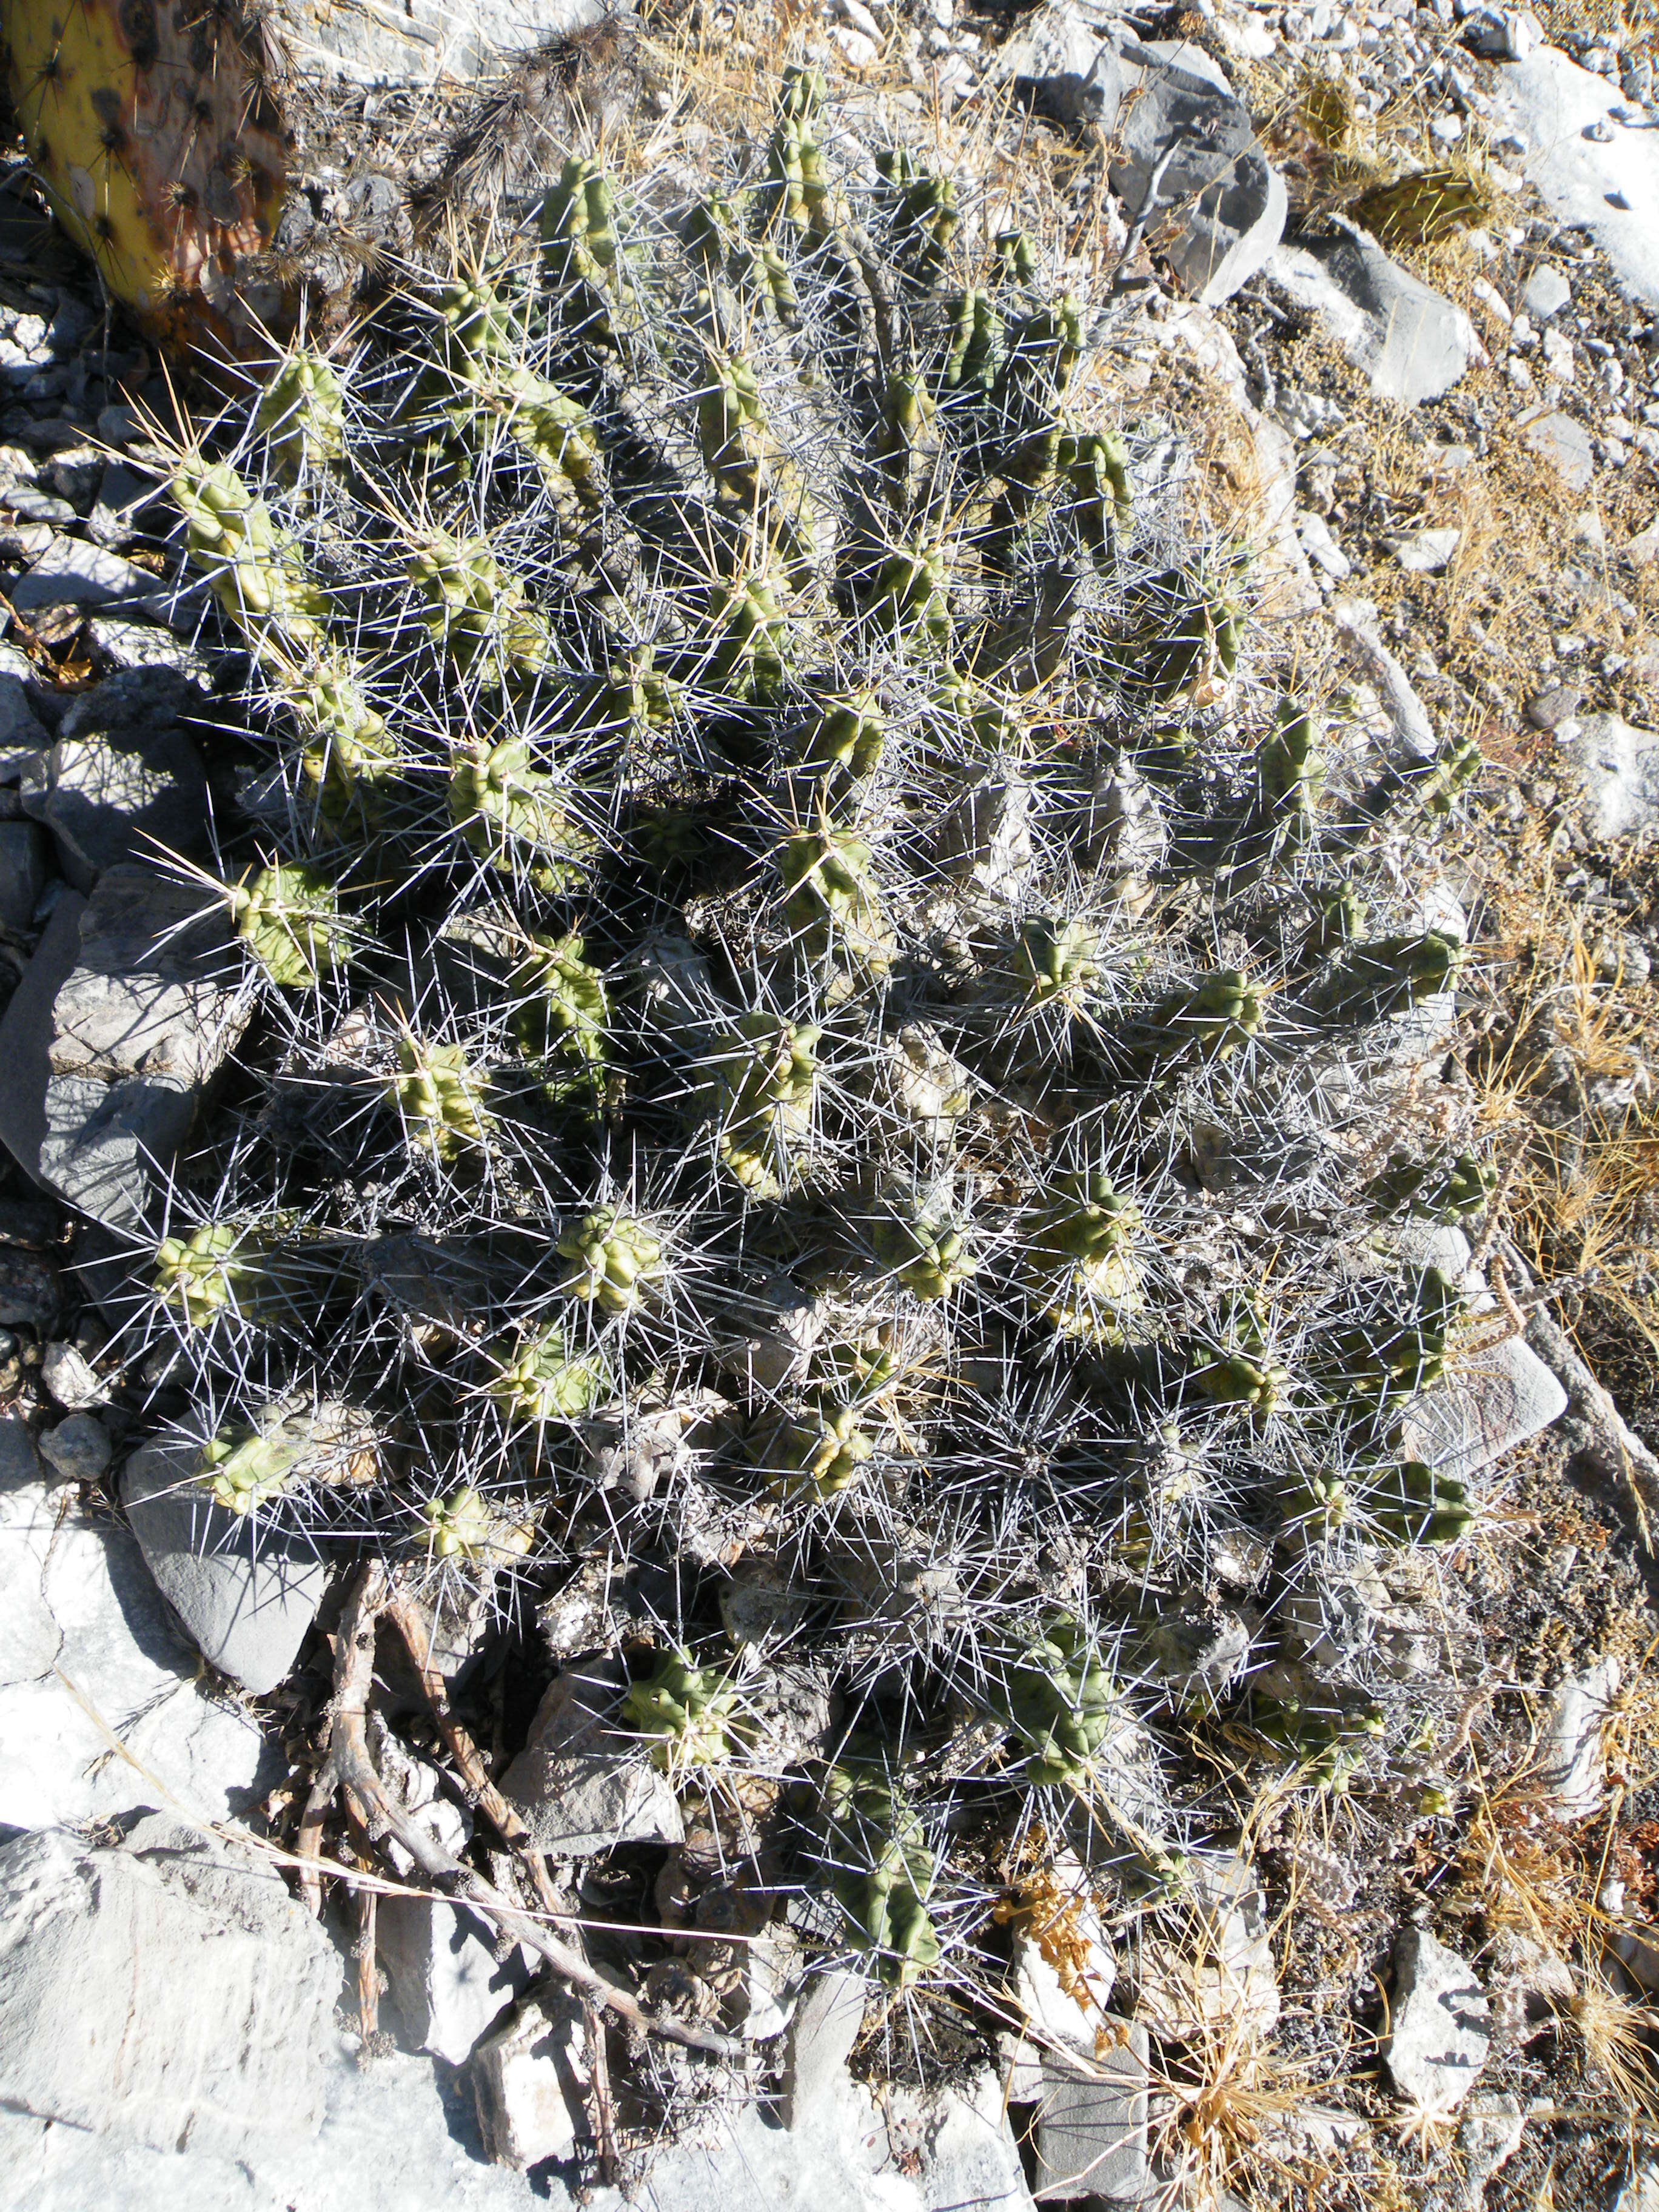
161 148
1425 205
711 1095
612 1260
243 1473
687 1712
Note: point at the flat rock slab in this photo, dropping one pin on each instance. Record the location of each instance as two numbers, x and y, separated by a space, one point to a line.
1563 446
1092 2133
1439 2024
127 1011
160 1989
247 1595
1609 186
122 776
1410 343
1617 769
425 41
583 1784
1498 1400
1061 68
447 1982
90 1663
72 573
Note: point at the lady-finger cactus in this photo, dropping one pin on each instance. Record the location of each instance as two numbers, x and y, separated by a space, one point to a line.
831 897
479 617
548 1375
923 1249
1057 962
466 1527
440 1098
612 1260
882 1871
515 815
287 916
1080 1256
561 1009
758 1094
217 1269
688 1713
1210 1018
257 570
301 413
1062 1704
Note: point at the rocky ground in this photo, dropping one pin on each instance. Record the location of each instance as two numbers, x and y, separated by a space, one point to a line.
1434 414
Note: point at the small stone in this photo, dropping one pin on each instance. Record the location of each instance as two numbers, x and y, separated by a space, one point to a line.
20 1459
72 573
247 1594
1488 2138
1559 358
827 2016
69 1378
530 2081
857 52
1547 710
1565 445
122 776
21 733
78 1449
1410 344
1571 1765
1092 2132
581 1785
1502 1398
123 644
1439 2024
447 1982
30 1295
1063 69
1423 552
1618 769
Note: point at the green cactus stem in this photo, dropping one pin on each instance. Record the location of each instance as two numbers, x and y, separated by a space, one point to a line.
287 916
612 1260
1096 463
1389 975
1290 770
1384 1362
922 209
882 1872
479 618
814 1454
513 815
1210 1018
831 899
1450 1186
928 1254
757 1091
1182 647
302 412
440 1098
560 1011
257 572
217 1269
466 1527
545 1377
687 1713
249 1468
1062 1704
1056 964
1080 1257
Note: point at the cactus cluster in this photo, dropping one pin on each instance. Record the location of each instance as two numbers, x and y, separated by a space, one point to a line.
707 656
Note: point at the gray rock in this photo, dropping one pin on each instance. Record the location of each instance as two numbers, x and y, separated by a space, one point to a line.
1092 2132
29 1289
23 871
1411 742
1409 342
1565 446
1572 1766
1057 65
530 2080
959 2145
90 1664
1220 195
1488 2138
122 776
72 573
582 1786
1496 1399
447 1983
423 42
1503 35
822 2033
22 734
78 1450
124 494
247 1595
1618 772
124 1016
125 645
1322 548
1608 184
1438 2024
162 1989
1220 1971
1546 293
69 1379
20 1461
1548 709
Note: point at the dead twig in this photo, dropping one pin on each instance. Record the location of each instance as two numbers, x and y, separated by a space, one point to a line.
348 1767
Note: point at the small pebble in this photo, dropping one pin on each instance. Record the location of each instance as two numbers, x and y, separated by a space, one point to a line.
78 1449
68 1377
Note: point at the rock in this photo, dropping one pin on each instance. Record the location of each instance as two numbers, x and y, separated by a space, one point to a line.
162 1989
1058 2019
424 42
1057 65
1503 35
446 1980
1410 343
22 734
827 2020
1437 2037
69 1379
127 645
20 1461
1641 2192
22 872
30 1291
124 1016
1608 186
72 573
1489 2137
1496 1400
1423 552
1411 742
1618 772
1091 2133
1571 1765
1220 195
78 1450
247 1594
89 1660
957 2144
1527 1984
530 2080
121 776
581 1785
1320 548
1566 445
1220 1971
1548 709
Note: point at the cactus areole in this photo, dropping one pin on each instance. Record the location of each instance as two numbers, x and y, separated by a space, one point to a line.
155 136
